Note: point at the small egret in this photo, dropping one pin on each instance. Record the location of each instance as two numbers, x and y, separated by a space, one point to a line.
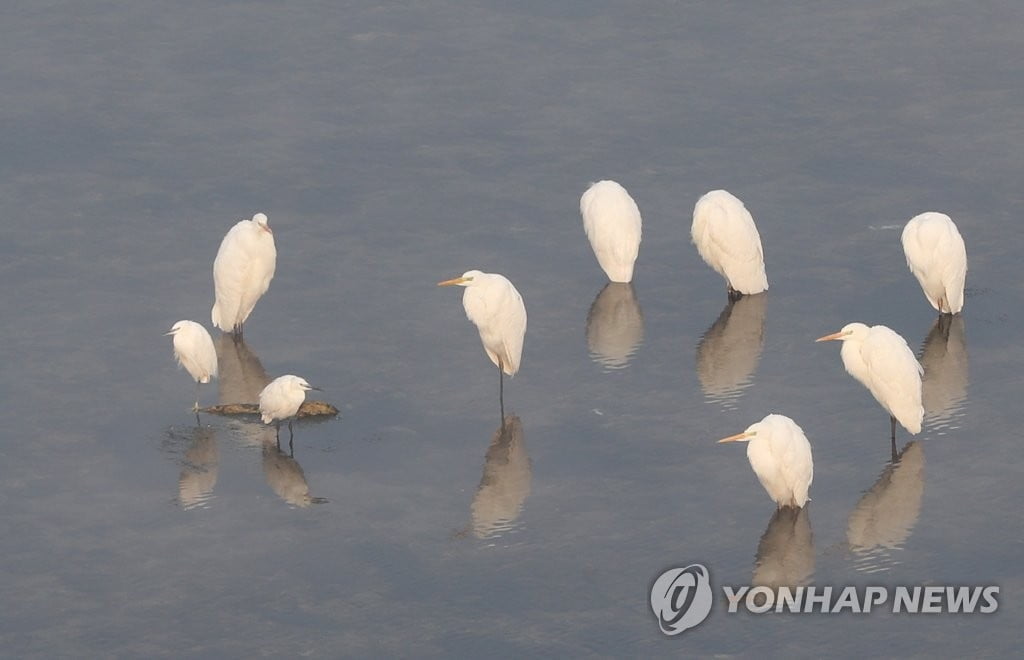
727 240
611 220
881 361
242 272
780 455
281 400
194 350
938 259
495 307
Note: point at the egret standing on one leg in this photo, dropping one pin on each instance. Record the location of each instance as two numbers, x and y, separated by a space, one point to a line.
242 272
780 455
494 305
612 222
194 350
938 259
727 239
882 361
281 399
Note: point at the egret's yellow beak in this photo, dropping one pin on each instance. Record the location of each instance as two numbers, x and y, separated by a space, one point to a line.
738 437
454 281
831 337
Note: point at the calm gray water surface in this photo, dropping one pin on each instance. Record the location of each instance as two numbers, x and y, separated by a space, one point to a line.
395 146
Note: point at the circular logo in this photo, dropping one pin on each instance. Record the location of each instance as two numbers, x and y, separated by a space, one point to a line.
681 598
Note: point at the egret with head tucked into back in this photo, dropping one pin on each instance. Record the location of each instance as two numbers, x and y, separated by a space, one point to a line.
495 307
612 222
194 350
937 257
881 361
780 456
281 400
242 272
727 239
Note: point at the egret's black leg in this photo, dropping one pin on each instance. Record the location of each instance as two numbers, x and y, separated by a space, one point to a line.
892 424
291 438
277 434
895 456
501 392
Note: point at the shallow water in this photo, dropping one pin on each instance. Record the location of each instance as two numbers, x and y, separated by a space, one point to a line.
393 147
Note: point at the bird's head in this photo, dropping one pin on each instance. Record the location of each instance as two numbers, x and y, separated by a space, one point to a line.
849 331
176 328
466 279
303 385
746 436
262 222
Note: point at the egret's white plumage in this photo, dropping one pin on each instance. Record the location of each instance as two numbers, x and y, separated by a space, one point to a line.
495 307
612 222
242 272
780 455
726 238
937 257
881 361
282 398
194 350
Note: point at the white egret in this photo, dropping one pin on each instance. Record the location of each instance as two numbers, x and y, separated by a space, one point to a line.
780 455
727 239
881 361
612 222
938 259
495 307
281 400
194 350
242 272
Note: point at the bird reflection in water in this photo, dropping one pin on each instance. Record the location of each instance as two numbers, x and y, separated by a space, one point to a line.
505 483
615 326
884 517
728 353
285 477
944 385
785 554
242 376
199 470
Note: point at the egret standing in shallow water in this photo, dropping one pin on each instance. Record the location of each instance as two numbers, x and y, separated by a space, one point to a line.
194 350
612 222
937 257
726 238
281 400
242 272
495 307
780 455
881 361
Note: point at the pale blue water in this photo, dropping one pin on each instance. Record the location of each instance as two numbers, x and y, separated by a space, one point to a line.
396 146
